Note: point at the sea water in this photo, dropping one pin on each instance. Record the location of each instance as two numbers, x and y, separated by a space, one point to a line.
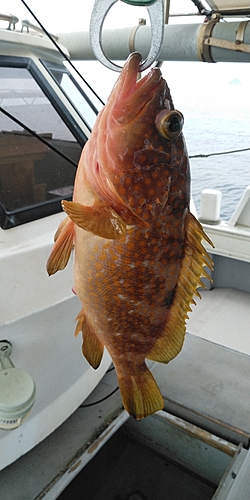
216 108
215 125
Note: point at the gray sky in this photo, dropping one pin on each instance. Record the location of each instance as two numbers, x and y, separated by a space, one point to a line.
74 15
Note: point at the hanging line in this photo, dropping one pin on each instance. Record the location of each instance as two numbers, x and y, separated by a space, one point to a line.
39 137
220 153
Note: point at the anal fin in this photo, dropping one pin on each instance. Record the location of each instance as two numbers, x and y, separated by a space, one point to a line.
100 220
92 347
195 257
61 251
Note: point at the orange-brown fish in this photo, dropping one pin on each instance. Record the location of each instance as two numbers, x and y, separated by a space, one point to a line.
138 255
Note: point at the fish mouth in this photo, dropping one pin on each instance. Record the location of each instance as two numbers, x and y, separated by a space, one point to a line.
132 94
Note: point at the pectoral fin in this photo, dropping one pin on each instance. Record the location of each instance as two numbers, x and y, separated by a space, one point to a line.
101 221
61 251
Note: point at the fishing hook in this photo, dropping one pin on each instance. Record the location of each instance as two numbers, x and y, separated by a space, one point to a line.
156 14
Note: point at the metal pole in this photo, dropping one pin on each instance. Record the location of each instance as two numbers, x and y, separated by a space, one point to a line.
182 42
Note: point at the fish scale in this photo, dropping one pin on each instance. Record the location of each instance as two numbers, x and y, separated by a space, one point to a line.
138 256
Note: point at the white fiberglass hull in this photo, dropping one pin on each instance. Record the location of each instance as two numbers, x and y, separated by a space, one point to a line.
42 337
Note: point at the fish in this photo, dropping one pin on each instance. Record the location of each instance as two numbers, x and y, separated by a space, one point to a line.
138 252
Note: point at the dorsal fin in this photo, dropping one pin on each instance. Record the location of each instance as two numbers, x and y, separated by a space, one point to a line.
169 344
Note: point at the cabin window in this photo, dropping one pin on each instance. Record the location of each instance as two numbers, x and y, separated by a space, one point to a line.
33 177
82 96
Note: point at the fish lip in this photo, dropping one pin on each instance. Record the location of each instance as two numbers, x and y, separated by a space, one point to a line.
129 89
148 82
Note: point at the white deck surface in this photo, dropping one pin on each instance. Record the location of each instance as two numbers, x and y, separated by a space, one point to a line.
223 317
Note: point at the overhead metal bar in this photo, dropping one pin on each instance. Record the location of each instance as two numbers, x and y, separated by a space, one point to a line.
182 42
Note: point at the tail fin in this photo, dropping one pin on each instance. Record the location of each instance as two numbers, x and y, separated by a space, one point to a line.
140 394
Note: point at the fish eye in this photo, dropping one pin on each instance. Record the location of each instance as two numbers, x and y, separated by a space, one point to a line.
169 123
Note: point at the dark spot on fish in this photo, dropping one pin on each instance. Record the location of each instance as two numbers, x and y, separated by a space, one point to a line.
169 299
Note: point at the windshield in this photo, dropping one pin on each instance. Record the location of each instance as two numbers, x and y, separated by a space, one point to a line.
83 98
30 172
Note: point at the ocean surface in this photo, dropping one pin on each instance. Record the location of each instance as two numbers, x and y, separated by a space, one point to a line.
215 102
215 123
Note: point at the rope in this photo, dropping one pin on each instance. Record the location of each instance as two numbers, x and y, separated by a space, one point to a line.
220 153
39 137
100 400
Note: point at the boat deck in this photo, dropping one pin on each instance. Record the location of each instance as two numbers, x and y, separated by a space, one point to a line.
223 317
204 385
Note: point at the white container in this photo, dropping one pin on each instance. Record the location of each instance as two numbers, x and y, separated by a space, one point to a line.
17 396
210 206
17 391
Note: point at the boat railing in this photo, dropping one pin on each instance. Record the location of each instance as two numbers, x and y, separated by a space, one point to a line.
27 25
12 20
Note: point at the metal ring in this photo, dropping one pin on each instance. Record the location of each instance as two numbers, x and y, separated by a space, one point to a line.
205 33
100 10
240 33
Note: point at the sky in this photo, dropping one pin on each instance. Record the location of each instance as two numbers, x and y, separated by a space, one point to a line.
58 16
